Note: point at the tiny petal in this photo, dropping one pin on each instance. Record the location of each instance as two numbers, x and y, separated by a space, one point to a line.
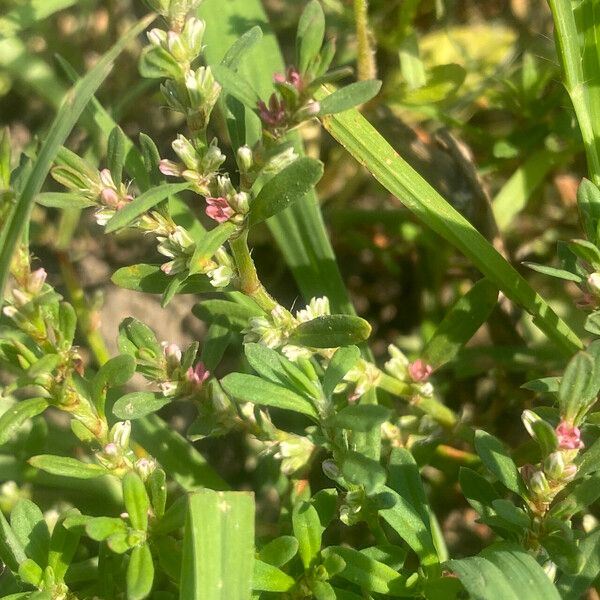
419 370
169 168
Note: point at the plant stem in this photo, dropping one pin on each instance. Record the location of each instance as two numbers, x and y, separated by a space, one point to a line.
249 282
366 61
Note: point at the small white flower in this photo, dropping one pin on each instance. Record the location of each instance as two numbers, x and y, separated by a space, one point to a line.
221 276
317 307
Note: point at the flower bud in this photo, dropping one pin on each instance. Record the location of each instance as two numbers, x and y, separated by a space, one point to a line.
145 467
593 282
36 281
172 353
157 37
186 151
554 465
193 32
120 433
240 203
245 158
538 484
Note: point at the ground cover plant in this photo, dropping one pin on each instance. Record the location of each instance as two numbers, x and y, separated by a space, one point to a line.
403 417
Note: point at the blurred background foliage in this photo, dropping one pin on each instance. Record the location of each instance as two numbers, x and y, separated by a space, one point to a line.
472 98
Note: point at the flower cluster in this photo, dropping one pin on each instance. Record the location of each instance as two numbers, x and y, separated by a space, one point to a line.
414 373
98 187
560 447
181 379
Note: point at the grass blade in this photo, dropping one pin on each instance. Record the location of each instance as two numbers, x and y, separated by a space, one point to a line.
369 148
218 546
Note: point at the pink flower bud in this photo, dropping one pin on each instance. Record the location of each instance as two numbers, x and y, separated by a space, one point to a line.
109 197
278 78
36 281
111 449
569 436
197 375
419 370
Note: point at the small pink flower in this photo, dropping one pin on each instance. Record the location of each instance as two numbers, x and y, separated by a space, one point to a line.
292 76
274 114
569 436
219 209
419 370
197 375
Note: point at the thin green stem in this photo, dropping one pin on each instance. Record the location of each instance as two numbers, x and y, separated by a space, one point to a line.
250 283
365 58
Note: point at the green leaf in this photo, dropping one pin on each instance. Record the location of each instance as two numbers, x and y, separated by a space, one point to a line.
229 314
65 120
249 388
461 322
361 470
140 573
359 417
341 362
218 546
67 467
116 153
553 272
236 84
277 369
268 578
409 515
30 528
308 531
30 572
209 244
101 528
63 200
371 575
309 38
142 204
279 551
241 47
592 322
12 552
478 491
349 96
136 405
290 185
588 203
504 571
20 413
494 456
331 331
363 142
115 372
573 395
63 545
586 251
136 500
572 587
151 280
